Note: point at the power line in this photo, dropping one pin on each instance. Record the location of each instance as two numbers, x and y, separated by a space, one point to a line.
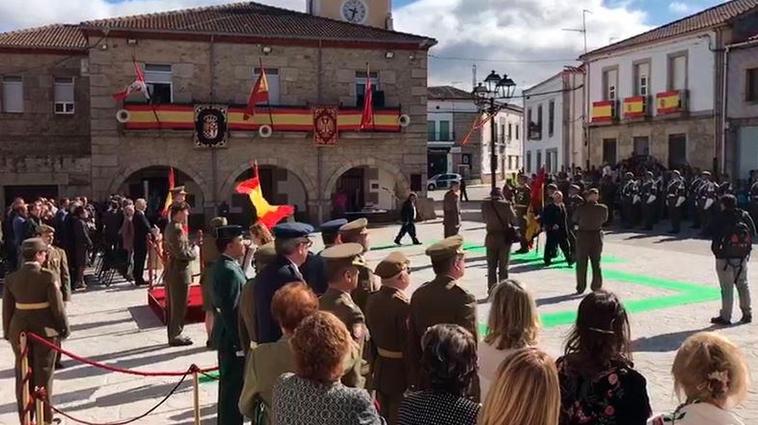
456 58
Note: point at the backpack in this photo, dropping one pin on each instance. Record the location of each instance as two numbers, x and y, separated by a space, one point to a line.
737 241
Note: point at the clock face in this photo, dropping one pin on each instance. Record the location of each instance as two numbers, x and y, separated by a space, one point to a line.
354 11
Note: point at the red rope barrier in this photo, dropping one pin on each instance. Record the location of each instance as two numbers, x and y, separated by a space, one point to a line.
48 344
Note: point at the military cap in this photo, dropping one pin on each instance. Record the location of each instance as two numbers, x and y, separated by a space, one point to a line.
333 226
392 265
228 232
355 227
218 222
575 187
265 254
552 186
677 173
32 246
449 247
347 252
706 173
593 191
178 190
44 229
292 230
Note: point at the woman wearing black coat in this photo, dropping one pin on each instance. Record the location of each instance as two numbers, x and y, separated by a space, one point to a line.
555 223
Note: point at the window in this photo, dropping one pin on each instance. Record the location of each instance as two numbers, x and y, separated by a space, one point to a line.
13 94
360 85
677 72
751 85
272 76
641 146
609 151
677 150
445 131
158 81
528 161
539 159
610 84
641 79
431 130
510 131
539 124
551 118
64 95
501 136
517 130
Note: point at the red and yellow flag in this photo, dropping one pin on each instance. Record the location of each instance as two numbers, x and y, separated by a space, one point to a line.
170 196
259 93
367 117
535 206
268 214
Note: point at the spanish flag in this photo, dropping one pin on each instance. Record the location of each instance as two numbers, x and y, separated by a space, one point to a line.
259 93
535 206
170 196
268 214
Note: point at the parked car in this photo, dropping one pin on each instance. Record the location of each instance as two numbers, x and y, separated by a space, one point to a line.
442 181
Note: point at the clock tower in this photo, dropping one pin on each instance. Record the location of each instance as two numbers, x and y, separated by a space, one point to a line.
375 13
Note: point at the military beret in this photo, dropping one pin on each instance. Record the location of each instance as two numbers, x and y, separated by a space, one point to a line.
347 252
392 265
292 230
552 186
265 254
333 226
593 191
355 227
44 229
218 222
32 246
575 187
228 232
178 190
447 248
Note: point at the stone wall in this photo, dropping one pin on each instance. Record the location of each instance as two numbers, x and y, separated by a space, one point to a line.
222 73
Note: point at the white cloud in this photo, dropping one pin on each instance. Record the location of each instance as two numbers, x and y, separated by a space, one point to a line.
681 8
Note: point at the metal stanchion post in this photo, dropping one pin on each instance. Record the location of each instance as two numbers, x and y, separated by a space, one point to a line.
39 406
196 394
24 350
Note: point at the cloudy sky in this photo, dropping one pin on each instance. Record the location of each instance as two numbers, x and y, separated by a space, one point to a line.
523 38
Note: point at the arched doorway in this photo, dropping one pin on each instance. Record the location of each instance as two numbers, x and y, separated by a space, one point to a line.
279 185
151 183
364 189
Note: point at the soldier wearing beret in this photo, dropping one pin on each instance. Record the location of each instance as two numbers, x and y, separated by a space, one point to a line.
441 300
209 255
32 302
228 279
589 241
648 195
357 232
178 276
291 244
263 256
451 207
387 314
343 265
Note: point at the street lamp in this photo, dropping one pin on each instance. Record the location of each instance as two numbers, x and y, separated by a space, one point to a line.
492 97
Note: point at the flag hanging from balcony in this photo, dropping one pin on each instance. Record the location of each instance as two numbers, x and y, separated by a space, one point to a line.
170 196
137 86
269 215
535 206
259 93
367 119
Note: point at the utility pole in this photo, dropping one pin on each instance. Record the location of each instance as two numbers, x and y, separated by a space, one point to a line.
582 30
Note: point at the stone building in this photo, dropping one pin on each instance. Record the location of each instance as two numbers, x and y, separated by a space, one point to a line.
212 56
660 93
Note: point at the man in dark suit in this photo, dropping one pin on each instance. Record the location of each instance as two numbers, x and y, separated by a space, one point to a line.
555 222
59 222
408 216
291 245
314 268
141 236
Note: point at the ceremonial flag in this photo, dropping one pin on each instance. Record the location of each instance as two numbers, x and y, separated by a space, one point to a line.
535 206
259 93
367 119
138 85
268 214
170 196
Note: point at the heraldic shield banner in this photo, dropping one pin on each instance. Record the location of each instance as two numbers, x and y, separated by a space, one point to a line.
210 125
325 131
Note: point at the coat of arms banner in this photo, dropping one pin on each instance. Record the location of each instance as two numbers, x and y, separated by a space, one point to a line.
325 132
210 125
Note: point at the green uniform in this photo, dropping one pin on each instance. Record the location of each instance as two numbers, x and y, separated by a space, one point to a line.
589 218
265 363
228 279
499 217
209 253
451 207
367 285
32 302
57 262
341 305
178 278
387 320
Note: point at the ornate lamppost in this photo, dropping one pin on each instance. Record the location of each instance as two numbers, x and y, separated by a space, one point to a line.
491 97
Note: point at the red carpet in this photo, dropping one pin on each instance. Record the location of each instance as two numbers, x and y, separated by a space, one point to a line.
156 299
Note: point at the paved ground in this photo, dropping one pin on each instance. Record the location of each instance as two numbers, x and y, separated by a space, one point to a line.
668 285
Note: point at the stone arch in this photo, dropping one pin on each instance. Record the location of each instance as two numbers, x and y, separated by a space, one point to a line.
136 166
401 182
227 188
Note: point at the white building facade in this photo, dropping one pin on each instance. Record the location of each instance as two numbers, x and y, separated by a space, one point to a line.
509 137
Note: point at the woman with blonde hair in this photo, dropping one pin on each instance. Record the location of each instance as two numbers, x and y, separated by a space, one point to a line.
513 324
711 375
525 391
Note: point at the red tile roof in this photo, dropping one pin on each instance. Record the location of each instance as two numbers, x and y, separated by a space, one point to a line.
66 37
712 17
256 20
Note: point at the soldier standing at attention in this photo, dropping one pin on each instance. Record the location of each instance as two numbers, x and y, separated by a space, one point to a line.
498 217
628 201
649 194
589 242
451 208
32 302
442 300
522 199
387 319
263 256
707 197
228 279
357 232
178 274
676 195
692 198
56 262
209 254
343 264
